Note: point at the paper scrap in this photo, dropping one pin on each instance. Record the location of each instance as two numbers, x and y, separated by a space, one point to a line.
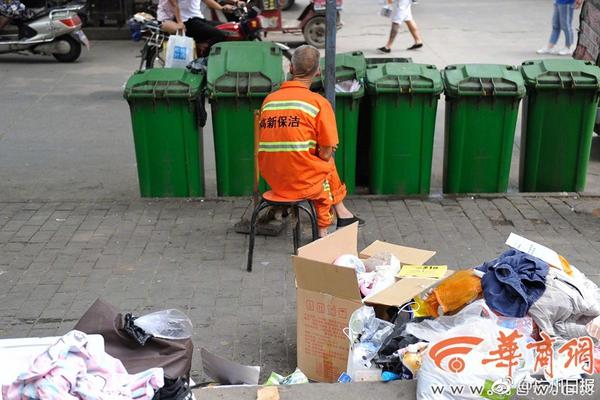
534 249
423 271
228 372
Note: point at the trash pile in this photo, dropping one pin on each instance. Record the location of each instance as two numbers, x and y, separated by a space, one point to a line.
108 355
118 356
525 319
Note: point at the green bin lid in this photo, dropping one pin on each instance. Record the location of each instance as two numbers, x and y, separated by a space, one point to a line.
348 66
483 80
244 69
383 60
402 77
561 74
163 82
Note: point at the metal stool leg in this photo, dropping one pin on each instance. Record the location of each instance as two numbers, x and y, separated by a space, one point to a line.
312 214
296 230
261 206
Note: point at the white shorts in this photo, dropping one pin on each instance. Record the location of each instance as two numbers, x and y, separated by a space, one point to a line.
402 11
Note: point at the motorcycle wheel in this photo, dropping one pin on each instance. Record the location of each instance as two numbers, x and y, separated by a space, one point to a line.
287 4
314 32
148 57
74 49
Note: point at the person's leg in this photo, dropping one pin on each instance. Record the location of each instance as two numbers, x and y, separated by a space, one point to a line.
568 29
555 27
414 31
393 33
323 202
169 27
3 22
203 31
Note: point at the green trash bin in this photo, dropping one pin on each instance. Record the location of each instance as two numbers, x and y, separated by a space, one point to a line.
164 104
240 75
558 120
482 104
348 67
403 105
363 160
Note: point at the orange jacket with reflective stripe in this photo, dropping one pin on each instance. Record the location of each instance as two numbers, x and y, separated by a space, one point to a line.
294 123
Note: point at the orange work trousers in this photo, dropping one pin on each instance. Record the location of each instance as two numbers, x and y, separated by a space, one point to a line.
332 193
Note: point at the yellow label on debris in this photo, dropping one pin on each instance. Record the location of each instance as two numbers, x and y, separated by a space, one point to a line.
423 271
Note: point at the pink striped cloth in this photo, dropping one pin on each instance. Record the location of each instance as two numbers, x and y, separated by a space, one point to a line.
69 370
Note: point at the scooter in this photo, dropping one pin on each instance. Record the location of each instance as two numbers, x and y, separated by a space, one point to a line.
247 27
52 32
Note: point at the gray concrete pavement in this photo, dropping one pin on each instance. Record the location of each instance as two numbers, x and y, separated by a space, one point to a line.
56 258
66 135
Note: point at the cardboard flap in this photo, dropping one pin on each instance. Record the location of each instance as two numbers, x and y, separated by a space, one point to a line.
326 278
327 249
406 255
403 291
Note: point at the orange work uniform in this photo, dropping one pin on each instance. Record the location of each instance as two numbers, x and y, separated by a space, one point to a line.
294 123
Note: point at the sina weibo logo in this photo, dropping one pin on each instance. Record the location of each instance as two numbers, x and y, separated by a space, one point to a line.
446 355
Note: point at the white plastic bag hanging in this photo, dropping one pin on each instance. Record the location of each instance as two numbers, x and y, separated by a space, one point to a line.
166 324
180 51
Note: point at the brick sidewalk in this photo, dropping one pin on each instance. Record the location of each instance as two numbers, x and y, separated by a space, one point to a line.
57 258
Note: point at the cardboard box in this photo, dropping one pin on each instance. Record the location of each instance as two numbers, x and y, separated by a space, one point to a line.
327 295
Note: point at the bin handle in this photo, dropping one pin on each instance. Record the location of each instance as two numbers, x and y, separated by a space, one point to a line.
491 82
158 88
411 82
567 79
239 89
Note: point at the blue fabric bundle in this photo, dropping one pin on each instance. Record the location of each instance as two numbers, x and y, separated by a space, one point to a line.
513 282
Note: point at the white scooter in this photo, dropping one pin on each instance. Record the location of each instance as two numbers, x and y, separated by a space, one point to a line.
51 32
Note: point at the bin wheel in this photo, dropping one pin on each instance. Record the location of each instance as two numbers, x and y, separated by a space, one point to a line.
314 32
148 57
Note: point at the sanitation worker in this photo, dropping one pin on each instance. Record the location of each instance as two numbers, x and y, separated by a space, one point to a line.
298 137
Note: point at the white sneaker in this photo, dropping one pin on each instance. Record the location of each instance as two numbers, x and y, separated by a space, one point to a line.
565 51
545 50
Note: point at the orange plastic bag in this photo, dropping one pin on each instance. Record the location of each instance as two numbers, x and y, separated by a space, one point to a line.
454 292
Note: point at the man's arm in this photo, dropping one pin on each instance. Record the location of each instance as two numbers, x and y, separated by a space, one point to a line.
326 152
327 135
175 5
578 3
216 6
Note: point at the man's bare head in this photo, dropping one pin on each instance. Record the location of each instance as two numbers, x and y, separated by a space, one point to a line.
305 62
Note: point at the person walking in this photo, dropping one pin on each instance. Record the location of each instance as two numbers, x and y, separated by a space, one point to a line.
562 20
401 11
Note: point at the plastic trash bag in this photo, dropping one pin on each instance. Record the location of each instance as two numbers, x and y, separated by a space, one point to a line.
350 86
166 324
350 261
358 321
381 259
180 51
381 273
453 293
466 369
297 377
367 334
